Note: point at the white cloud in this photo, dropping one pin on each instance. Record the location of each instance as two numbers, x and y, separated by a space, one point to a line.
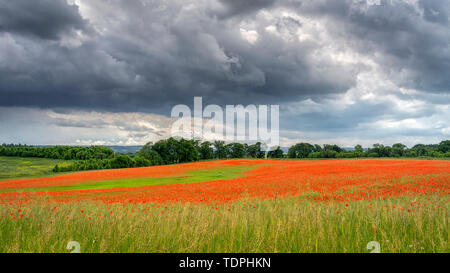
250 36
47 127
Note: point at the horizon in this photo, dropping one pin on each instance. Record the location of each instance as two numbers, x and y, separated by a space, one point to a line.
348 148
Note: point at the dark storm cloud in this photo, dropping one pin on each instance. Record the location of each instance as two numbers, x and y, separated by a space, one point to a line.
148 55
45 74
46 19
175 55
239 7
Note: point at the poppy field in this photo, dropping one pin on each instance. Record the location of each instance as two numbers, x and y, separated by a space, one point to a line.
233 206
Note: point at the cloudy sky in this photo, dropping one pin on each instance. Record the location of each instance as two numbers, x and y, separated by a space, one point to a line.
109 71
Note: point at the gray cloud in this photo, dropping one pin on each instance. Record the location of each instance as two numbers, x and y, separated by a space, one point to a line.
411 41
176 54
46 19
238 7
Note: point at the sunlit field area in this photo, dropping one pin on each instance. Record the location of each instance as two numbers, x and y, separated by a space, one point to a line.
232 206
17 167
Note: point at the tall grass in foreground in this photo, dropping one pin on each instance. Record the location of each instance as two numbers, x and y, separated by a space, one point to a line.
291 225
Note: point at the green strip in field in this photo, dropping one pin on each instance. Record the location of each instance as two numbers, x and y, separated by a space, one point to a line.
197 176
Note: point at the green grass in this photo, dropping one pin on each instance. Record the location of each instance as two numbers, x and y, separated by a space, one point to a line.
24 167
197 176
285 226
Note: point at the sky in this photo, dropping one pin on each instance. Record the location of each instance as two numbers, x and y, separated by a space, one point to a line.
108 72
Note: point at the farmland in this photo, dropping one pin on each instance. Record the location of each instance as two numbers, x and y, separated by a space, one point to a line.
233 206
17 167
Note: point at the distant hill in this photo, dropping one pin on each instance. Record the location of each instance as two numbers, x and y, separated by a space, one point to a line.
125 149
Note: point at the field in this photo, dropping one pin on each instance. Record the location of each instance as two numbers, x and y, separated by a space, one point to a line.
16 167
233 206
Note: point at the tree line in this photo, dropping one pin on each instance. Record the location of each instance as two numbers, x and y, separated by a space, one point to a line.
119 161
173 151
306 150
57 152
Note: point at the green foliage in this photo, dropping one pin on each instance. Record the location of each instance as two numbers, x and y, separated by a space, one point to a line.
236 150
380 150
327 153
444 146
398 150
301 150
140 161
256 151
186 151
333 147
170 151
206 151
277 153
120 161
150 154
424 150
221 150
306 150
57 152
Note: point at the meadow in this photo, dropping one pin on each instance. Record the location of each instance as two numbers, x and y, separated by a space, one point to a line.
20 167
233 206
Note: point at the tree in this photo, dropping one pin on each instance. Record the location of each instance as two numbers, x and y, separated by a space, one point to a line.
420 149
359 148
121 161
398 150
146 150
444 146
150 154
328 153
58 152
170 151
140 161
317 148
174 150
255 151
186 151
162 149
277 153
236 150
333 147
379 150
206 151
220 149
300 150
